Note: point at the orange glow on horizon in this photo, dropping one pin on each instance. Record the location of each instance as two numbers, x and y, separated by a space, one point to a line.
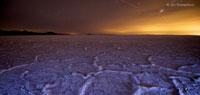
179 23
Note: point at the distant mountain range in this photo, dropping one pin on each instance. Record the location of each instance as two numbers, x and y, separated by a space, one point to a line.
16 32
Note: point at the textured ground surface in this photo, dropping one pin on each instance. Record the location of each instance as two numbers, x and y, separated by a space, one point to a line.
100 65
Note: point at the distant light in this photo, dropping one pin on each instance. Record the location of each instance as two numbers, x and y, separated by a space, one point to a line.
162 10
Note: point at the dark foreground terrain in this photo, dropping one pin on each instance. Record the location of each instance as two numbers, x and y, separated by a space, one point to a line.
99 65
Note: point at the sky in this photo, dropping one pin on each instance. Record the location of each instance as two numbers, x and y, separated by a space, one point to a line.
125 17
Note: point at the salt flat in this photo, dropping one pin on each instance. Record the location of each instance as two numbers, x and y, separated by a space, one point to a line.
99 65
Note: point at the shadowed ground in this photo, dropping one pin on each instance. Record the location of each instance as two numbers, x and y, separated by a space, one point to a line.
99 65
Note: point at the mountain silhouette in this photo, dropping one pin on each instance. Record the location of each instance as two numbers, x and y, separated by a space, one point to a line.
16 32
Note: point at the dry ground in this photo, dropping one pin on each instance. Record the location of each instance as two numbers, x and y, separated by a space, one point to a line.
99 65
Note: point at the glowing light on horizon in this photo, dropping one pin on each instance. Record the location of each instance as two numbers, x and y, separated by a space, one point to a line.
161 30
178 23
